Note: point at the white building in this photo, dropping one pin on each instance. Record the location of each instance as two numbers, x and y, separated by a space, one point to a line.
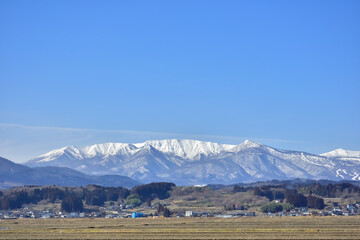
188 213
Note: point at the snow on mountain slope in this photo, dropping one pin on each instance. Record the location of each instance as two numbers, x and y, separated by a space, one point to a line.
108 149
348 162
246 145
341 153
70 151
63 157
198 162
189 149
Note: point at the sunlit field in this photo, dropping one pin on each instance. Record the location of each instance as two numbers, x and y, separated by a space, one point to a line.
184 228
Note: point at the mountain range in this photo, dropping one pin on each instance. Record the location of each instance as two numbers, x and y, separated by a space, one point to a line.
188 162
12 174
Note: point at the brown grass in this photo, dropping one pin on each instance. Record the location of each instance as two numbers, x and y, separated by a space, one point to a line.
184 228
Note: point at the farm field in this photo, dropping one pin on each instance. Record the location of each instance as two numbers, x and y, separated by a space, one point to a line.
184 228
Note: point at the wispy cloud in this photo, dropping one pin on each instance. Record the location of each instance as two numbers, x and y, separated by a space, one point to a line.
66 128
232 139
20 142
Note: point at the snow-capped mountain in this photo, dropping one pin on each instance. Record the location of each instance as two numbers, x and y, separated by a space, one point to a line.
348 162
343 154
197 162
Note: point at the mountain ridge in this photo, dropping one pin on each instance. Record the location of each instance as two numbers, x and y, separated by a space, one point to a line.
13 174
188 161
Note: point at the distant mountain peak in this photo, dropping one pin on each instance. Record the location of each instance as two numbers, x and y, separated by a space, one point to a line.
49 156
250 143
246 145
60 150
342 153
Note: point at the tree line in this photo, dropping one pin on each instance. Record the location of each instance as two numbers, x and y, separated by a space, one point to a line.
74 198
301 195
71 198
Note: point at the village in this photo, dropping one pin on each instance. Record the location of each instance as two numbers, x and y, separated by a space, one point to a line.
129 212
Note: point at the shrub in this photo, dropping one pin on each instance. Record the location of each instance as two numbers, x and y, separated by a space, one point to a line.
287 206
133 200
272 207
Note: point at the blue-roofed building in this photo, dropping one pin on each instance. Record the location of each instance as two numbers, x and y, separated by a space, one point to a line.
137 215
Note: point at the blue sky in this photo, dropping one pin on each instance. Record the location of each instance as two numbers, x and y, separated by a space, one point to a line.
282 73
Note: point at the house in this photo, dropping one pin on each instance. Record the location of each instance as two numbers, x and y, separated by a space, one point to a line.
250 214
205 214
336 212
352 208
303 209
323 213
94 214
306 213
196 214
269 214
236 214
188 213
46 215
224 216
73 215
200 214
179 214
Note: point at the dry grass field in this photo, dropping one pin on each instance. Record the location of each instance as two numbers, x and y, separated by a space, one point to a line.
184 228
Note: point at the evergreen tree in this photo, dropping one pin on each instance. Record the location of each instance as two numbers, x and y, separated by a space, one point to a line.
153 190
162 210
72 204
315 202
296 199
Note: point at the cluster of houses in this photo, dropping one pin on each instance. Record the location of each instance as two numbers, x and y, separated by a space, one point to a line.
27 213
227 215
336 210
349 209
120 212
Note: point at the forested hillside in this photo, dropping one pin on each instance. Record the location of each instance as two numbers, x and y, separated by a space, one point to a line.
266 198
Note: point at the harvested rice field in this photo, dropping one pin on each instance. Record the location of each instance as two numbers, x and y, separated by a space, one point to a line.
184 228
